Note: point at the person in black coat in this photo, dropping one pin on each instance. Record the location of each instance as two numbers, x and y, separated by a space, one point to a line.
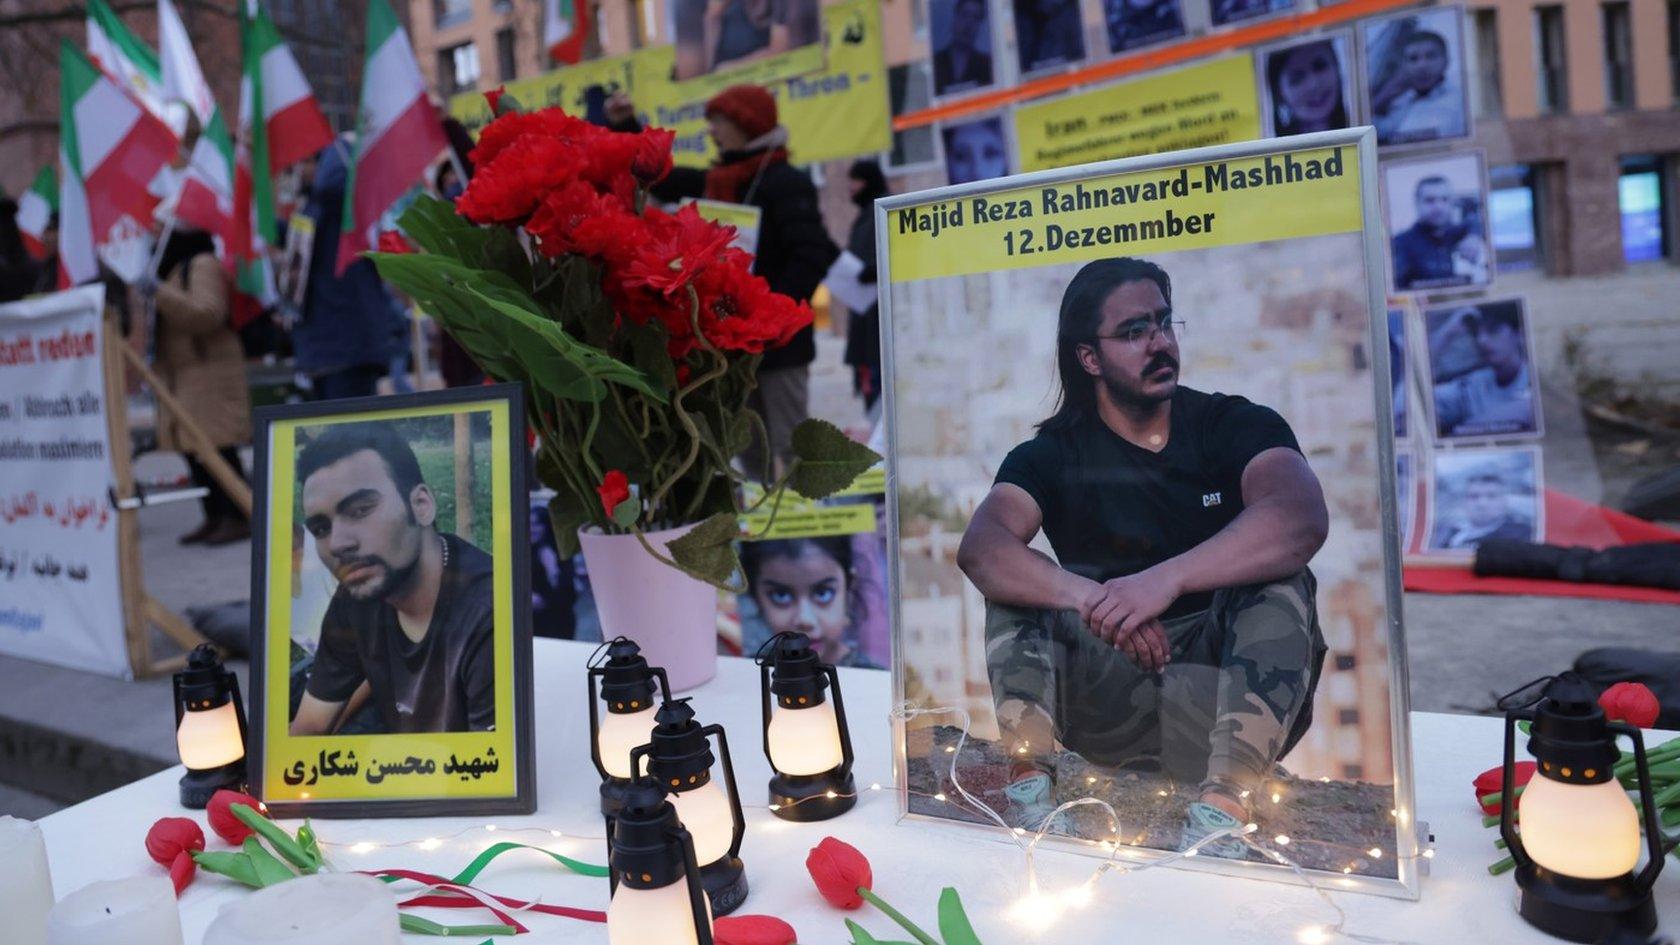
863 332
794 248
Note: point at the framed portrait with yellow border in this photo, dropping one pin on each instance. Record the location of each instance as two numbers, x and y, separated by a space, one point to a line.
391 632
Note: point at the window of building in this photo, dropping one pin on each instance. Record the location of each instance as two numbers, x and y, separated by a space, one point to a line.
458 68
1512 211
1674 48
1640 194
1618 55
1489 103
447 13
1552 71
910 88
507 65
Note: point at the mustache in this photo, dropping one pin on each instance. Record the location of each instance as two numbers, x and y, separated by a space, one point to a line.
1160 361
346 565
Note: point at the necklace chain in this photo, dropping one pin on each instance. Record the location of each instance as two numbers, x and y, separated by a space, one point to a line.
445 543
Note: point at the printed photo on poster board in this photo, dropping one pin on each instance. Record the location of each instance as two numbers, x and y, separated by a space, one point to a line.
910 89
1066 519
976 150
724 38
1405 494
1437 222
1415 76
294 262
1482 382
1048 33
1307 85
1133 24
1484 493
391 658
962 33
1227 12
1397 368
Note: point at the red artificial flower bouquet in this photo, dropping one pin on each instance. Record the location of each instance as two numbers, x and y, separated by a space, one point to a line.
636 331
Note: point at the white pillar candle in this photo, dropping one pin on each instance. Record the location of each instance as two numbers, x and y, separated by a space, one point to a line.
326 909
140 910
26 893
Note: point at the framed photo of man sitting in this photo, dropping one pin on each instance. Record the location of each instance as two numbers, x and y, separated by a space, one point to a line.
1142 489
391 650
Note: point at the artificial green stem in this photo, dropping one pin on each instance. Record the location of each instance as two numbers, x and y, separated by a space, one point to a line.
897 916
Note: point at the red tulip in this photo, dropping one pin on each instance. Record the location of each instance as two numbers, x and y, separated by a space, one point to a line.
172 842
1631 702
840 872
227 826
614 488
1493 779
753 930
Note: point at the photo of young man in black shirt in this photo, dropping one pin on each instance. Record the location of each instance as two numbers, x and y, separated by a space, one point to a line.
413 620
1177 629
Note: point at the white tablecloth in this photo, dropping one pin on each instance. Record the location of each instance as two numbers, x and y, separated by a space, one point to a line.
102 839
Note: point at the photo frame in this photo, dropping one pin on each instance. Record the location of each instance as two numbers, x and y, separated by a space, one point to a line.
1296 95
963 47
978 149
1400 100
391 633
1482 380
1440 238
1131 25
1483 492
969 271
1236 12
1047 40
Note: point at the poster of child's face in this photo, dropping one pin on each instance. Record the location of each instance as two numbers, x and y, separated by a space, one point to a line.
1307 86
962 46
1482 382
1133 24
1048 33
717 36
1437 223
1226 12
1482 494
978 150
829 588
1415 77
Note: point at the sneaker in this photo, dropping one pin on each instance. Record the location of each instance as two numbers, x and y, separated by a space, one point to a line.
197 535
1031 801
1203 820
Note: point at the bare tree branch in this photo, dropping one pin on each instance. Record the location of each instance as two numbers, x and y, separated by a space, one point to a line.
78 12
25 126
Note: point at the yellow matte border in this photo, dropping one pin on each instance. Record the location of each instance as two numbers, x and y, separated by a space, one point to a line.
282 752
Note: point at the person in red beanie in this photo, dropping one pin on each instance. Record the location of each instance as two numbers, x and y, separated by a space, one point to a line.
794 248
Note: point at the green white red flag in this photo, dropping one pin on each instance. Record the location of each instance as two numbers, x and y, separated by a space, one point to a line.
35 210
565 22
293 126
204 198
115 49
401 133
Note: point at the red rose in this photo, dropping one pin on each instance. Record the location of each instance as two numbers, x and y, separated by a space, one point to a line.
614 488
507 188
172 842
653 156
752 930
390 241
839 871
224 823
1491 780
1631 702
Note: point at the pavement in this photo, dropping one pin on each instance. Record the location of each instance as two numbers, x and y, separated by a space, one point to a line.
100 733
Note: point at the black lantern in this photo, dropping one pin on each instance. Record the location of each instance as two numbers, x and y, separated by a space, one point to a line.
627 686
679 757
1579 840
657 896
805 736
209 727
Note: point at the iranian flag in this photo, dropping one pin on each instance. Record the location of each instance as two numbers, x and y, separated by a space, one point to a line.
129 60
293 127
564 24
110 147
35 210
205 196
401 133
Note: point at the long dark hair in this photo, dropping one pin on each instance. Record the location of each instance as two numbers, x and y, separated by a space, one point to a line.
838 547
1275 64
1076 325
183 245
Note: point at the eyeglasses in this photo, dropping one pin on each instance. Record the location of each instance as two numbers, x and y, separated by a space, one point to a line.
1140 331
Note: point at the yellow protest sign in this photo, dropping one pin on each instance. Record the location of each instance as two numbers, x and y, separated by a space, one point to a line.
1277 196
745 218
563 87
839 112
1214 103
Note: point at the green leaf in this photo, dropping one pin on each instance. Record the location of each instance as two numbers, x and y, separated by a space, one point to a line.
954 926
311 846
828 459
708 552
276 836
862 937
419 926
434 225
566 518
625 513
595 367
648 353
235 866
268 868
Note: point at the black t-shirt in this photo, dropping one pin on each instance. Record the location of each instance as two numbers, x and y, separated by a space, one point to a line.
444 683
1111 508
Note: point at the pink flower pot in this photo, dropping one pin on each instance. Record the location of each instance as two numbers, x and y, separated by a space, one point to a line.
671 616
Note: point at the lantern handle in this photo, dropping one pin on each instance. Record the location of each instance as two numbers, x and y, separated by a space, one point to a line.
1509 701
698 903
595 721
738 828
637 756
765 647
764 702
1655 840
846 757
1507 783
594 657
612 874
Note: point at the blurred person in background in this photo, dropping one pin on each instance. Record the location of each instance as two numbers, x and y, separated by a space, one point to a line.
18 272
201 362
863 331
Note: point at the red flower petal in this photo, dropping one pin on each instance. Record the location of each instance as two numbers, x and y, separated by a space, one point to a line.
172 836
220 814
839 871
752 930
182 871
1491 780
614 488
1631 702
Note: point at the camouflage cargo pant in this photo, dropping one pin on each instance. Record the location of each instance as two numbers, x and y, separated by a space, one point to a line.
1236 697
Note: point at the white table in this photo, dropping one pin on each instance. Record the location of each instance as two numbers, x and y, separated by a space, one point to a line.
102 839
